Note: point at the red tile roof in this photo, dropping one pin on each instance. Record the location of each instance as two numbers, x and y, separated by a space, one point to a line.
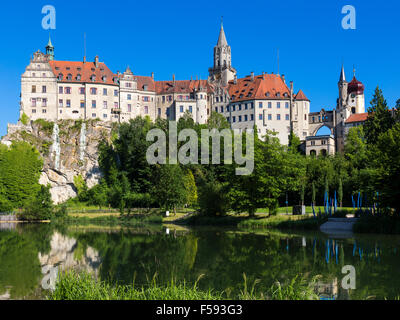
358 117
301 96
85 70
143 80
181 86
267 86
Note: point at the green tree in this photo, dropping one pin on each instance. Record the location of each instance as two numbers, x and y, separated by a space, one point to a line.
40 207
340 193
314 193
20 168
379 118
169 190
191 189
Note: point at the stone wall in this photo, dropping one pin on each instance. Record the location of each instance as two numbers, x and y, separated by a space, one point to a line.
69 149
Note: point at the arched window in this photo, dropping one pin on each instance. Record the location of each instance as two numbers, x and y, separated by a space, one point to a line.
93 77
60 76
78 77
69 77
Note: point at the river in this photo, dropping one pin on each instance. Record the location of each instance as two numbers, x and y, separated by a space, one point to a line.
31 256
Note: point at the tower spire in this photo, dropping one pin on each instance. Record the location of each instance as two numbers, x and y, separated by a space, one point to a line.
222 38
342 75
50 49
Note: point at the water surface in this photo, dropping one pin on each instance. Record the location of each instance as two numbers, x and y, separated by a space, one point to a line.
32 255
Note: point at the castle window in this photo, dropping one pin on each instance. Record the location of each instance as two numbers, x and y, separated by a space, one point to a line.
68 104
252 117
60 103
44 102
78 77
129 108
69 77
267 94
287 117
60 77
216 99
33 89
44 89
116 105
269 116
67 90
260 105
260 116
115 93
44 111
181 109
33 102
33 110
82 90
146 110
94 104
240 118
104 104
82 103
93 115
104 79
145 87
245 117
93 78
278 117
93 91
286 105
278 94
104 116
353 110
129 97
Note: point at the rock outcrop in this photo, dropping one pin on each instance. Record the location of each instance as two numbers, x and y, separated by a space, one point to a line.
69 149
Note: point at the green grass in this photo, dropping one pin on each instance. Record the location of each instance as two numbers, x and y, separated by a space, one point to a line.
284 222
83 286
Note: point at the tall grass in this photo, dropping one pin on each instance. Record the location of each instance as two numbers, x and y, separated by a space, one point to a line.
83 286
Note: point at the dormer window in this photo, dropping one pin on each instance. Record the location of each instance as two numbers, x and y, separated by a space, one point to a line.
145 87
278 94
104 79
60 77
69 77
267 94
78 77
285 94
93 78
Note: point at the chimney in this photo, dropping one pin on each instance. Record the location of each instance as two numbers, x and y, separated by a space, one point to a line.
252 76
283 78
152 75
173 79
291 88
84 59
96 61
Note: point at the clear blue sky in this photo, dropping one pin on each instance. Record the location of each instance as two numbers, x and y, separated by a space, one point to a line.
177 37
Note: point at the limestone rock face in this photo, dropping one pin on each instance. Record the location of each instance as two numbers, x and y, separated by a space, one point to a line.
69 149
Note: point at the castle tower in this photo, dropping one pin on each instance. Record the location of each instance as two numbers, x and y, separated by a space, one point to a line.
222 71
50 50
201 104
342 84
356 99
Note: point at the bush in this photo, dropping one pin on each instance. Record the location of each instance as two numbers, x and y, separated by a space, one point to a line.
39 208
5 204
24 119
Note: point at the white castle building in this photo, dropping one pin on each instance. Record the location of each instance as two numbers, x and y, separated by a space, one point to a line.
56 90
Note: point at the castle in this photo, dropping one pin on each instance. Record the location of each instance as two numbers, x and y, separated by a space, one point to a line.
56 90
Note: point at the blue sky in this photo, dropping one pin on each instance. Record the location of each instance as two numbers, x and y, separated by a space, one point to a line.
177 37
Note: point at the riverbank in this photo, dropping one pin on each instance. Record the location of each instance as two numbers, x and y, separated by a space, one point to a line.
304 222
83 286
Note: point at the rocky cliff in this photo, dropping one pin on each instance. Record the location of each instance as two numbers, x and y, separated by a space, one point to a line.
69 149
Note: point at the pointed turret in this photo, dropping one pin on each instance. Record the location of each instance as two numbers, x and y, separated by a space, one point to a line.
50 50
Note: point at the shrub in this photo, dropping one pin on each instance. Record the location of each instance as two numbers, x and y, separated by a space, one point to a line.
39 208
213 199
24 119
